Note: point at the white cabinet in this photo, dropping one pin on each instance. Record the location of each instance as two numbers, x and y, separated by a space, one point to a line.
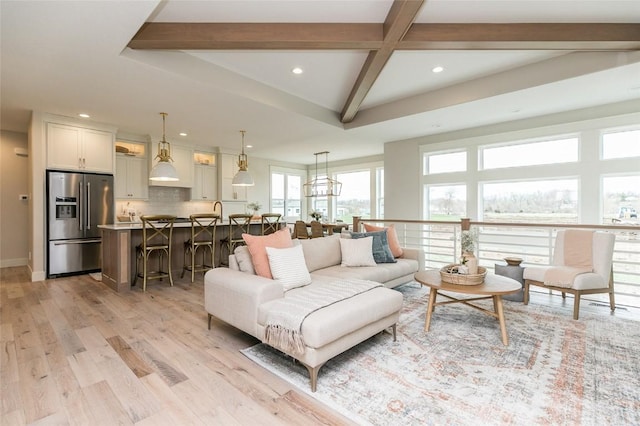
78 148
205 184
131 178
183 162
228 169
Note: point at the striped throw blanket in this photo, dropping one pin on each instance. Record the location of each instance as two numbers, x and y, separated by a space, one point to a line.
284 319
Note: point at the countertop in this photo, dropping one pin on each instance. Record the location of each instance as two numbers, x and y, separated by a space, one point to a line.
138 225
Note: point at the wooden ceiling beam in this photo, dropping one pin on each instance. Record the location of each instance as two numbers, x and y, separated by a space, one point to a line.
397 23
522 36
283 36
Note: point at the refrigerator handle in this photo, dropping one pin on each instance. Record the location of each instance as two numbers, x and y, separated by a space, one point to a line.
88 204
80 203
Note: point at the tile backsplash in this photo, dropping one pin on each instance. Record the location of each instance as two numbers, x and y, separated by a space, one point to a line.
169 200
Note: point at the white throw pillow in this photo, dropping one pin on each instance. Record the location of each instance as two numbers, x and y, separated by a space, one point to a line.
357 252
288 266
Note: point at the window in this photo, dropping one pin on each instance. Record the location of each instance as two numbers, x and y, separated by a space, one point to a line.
355 199
530 154
445 162
621 199
446 202
621 144
286 194
541 201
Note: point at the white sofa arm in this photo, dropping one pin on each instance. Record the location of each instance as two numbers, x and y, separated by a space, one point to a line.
234 297
416 254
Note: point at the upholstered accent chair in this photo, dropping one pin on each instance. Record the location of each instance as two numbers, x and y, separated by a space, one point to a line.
567 277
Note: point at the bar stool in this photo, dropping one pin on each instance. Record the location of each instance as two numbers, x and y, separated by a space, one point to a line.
203 236
238 225
157 233
270 223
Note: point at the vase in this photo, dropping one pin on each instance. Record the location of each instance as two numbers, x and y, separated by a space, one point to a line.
471 262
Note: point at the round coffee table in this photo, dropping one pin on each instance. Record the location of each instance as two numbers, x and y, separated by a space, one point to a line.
494 287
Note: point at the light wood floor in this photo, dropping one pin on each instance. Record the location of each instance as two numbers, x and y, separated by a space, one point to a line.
76 352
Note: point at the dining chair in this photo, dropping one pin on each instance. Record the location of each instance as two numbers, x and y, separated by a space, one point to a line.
203 238
316 229
157 233
300 230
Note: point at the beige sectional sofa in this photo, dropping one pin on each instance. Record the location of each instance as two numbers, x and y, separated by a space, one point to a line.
238 297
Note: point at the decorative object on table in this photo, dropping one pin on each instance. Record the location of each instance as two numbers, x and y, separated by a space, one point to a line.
513 271
513 261
322 186
254 207
316 215
164 170
468 239
242 178
459 274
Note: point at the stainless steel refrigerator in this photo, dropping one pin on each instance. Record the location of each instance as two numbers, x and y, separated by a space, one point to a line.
77 204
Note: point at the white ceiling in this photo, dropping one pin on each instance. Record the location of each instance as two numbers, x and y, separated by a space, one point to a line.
67 57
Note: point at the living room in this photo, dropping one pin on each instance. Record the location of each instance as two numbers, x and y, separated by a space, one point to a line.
132 107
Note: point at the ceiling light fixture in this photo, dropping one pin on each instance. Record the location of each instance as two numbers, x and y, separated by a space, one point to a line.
83 115
242 178
437 69
323 186
163 170
183 134
297 70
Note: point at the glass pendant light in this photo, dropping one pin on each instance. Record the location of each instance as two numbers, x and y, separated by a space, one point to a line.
164 170
242 178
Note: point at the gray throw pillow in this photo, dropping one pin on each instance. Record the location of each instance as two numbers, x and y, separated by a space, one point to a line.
380 247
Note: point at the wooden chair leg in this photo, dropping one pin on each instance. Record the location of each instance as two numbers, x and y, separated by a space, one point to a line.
612 301
576 305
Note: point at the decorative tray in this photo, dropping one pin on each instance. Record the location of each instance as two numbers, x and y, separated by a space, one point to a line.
449 274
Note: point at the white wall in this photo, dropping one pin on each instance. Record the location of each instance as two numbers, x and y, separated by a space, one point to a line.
14 223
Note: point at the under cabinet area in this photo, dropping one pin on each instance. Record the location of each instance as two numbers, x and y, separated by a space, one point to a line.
77 148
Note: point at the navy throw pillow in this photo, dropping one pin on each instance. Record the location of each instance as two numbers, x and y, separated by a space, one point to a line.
380 246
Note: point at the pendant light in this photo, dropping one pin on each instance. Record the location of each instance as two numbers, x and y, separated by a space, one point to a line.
242 178
323 186
164 170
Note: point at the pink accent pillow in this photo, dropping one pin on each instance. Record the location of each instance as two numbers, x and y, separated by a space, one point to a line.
392 238
257 247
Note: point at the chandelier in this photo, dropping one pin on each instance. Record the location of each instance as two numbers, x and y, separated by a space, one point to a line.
322 186
163 170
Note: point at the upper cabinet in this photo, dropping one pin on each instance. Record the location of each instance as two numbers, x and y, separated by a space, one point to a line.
132 175
228 169
205 183
182 157
78 148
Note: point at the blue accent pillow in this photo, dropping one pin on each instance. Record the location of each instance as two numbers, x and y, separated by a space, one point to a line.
380 247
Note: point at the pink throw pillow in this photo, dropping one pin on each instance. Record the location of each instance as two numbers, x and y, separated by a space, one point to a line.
257 247
392 238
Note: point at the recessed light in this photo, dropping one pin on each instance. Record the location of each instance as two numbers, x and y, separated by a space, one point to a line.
83 115
437 69
248 146
182 134
297 70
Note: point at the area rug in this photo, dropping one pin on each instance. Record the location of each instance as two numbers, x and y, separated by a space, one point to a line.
555 371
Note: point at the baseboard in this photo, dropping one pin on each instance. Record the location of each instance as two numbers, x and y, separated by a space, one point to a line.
7 263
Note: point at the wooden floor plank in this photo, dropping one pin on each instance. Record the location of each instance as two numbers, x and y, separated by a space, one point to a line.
105 407
162 366
130 357
173 408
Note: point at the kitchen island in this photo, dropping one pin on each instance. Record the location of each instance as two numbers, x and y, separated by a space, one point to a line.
119 243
